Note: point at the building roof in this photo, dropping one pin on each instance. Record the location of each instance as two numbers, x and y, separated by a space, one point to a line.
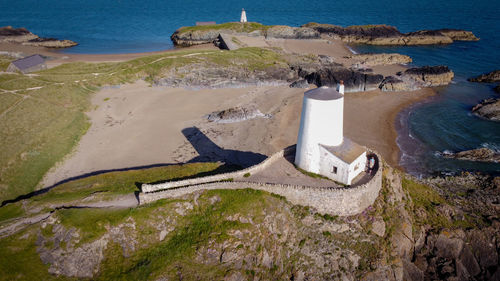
28 62
323 93
348 151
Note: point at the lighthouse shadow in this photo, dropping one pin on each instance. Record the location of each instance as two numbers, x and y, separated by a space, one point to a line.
208 151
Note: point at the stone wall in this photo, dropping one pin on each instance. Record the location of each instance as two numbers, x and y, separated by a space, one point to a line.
342 201
335 201
146 188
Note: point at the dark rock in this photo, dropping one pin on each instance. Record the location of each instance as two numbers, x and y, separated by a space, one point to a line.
430 76
394 84
484 247
25 37
412 272
497 89
469 262
481 154
448 247
389 35
489 109
491 77
300 84
354 81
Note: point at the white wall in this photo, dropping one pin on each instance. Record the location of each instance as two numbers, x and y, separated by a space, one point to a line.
361 162
321 122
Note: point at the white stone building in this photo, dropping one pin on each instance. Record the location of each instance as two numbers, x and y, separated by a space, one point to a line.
321 146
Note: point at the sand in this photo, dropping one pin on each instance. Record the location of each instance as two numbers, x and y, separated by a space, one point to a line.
137 125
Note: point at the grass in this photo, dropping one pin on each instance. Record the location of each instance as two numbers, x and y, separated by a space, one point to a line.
43 125
19 259
311 174
200 226
425 198
4 62
235 26
108 185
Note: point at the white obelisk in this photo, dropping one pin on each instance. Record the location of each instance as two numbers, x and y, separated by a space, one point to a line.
243 16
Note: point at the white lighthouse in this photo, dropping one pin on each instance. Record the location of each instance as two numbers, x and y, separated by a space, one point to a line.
243 16
321 146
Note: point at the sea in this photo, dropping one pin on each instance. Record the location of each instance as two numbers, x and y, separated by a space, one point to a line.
442 123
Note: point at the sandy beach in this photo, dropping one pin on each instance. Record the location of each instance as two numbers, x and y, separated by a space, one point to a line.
136 125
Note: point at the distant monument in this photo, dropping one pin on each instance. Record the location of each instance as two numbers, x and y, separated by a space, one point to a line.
243 16
321 146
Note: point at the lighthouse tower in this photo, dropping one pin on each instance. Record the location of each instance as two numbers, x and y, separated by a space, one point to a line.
243 16
321 146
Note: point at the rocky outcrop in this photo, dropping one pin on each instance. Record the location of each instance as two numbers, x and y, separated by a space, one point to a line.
354 81
302 83
207 76
417 78
480 154
235 114
489 109
188 36
381 59
458 35
25 37
430 76
287 32
389 35
491 77
398 84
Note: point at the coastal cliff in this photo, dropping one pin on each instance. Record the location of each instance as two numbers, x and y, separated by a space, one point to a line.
8 34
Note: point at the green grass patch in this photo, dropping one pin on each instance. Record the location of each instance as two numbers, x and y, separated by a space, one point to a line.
11 211
234 26
91 222
425 198
19 259
203 224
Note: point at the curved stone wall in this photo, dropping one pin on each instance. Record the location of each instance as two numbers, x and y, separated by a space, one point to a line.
342 201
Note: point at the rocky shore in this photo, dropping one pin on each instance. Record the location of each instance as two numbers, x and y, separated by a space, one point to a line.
380 59
389 35
299 72
489 109
8 34
362 34
480 154
492 77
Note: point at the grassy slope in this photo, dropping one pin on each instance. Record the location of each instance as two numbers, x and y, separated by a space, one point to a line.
38 127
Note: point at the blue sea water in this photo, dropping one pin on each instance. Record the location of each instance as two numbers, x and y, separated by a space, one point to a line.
442 123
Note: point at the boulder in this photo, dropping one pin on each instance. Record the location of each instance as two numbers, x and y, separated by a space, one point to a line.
235 114
300 84
25 37
481 154
491 77
381 59
497 89
430 76
489 109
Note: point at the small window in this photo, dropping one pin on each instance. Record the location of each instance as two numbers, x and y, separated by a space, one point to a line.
334 170
356 167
